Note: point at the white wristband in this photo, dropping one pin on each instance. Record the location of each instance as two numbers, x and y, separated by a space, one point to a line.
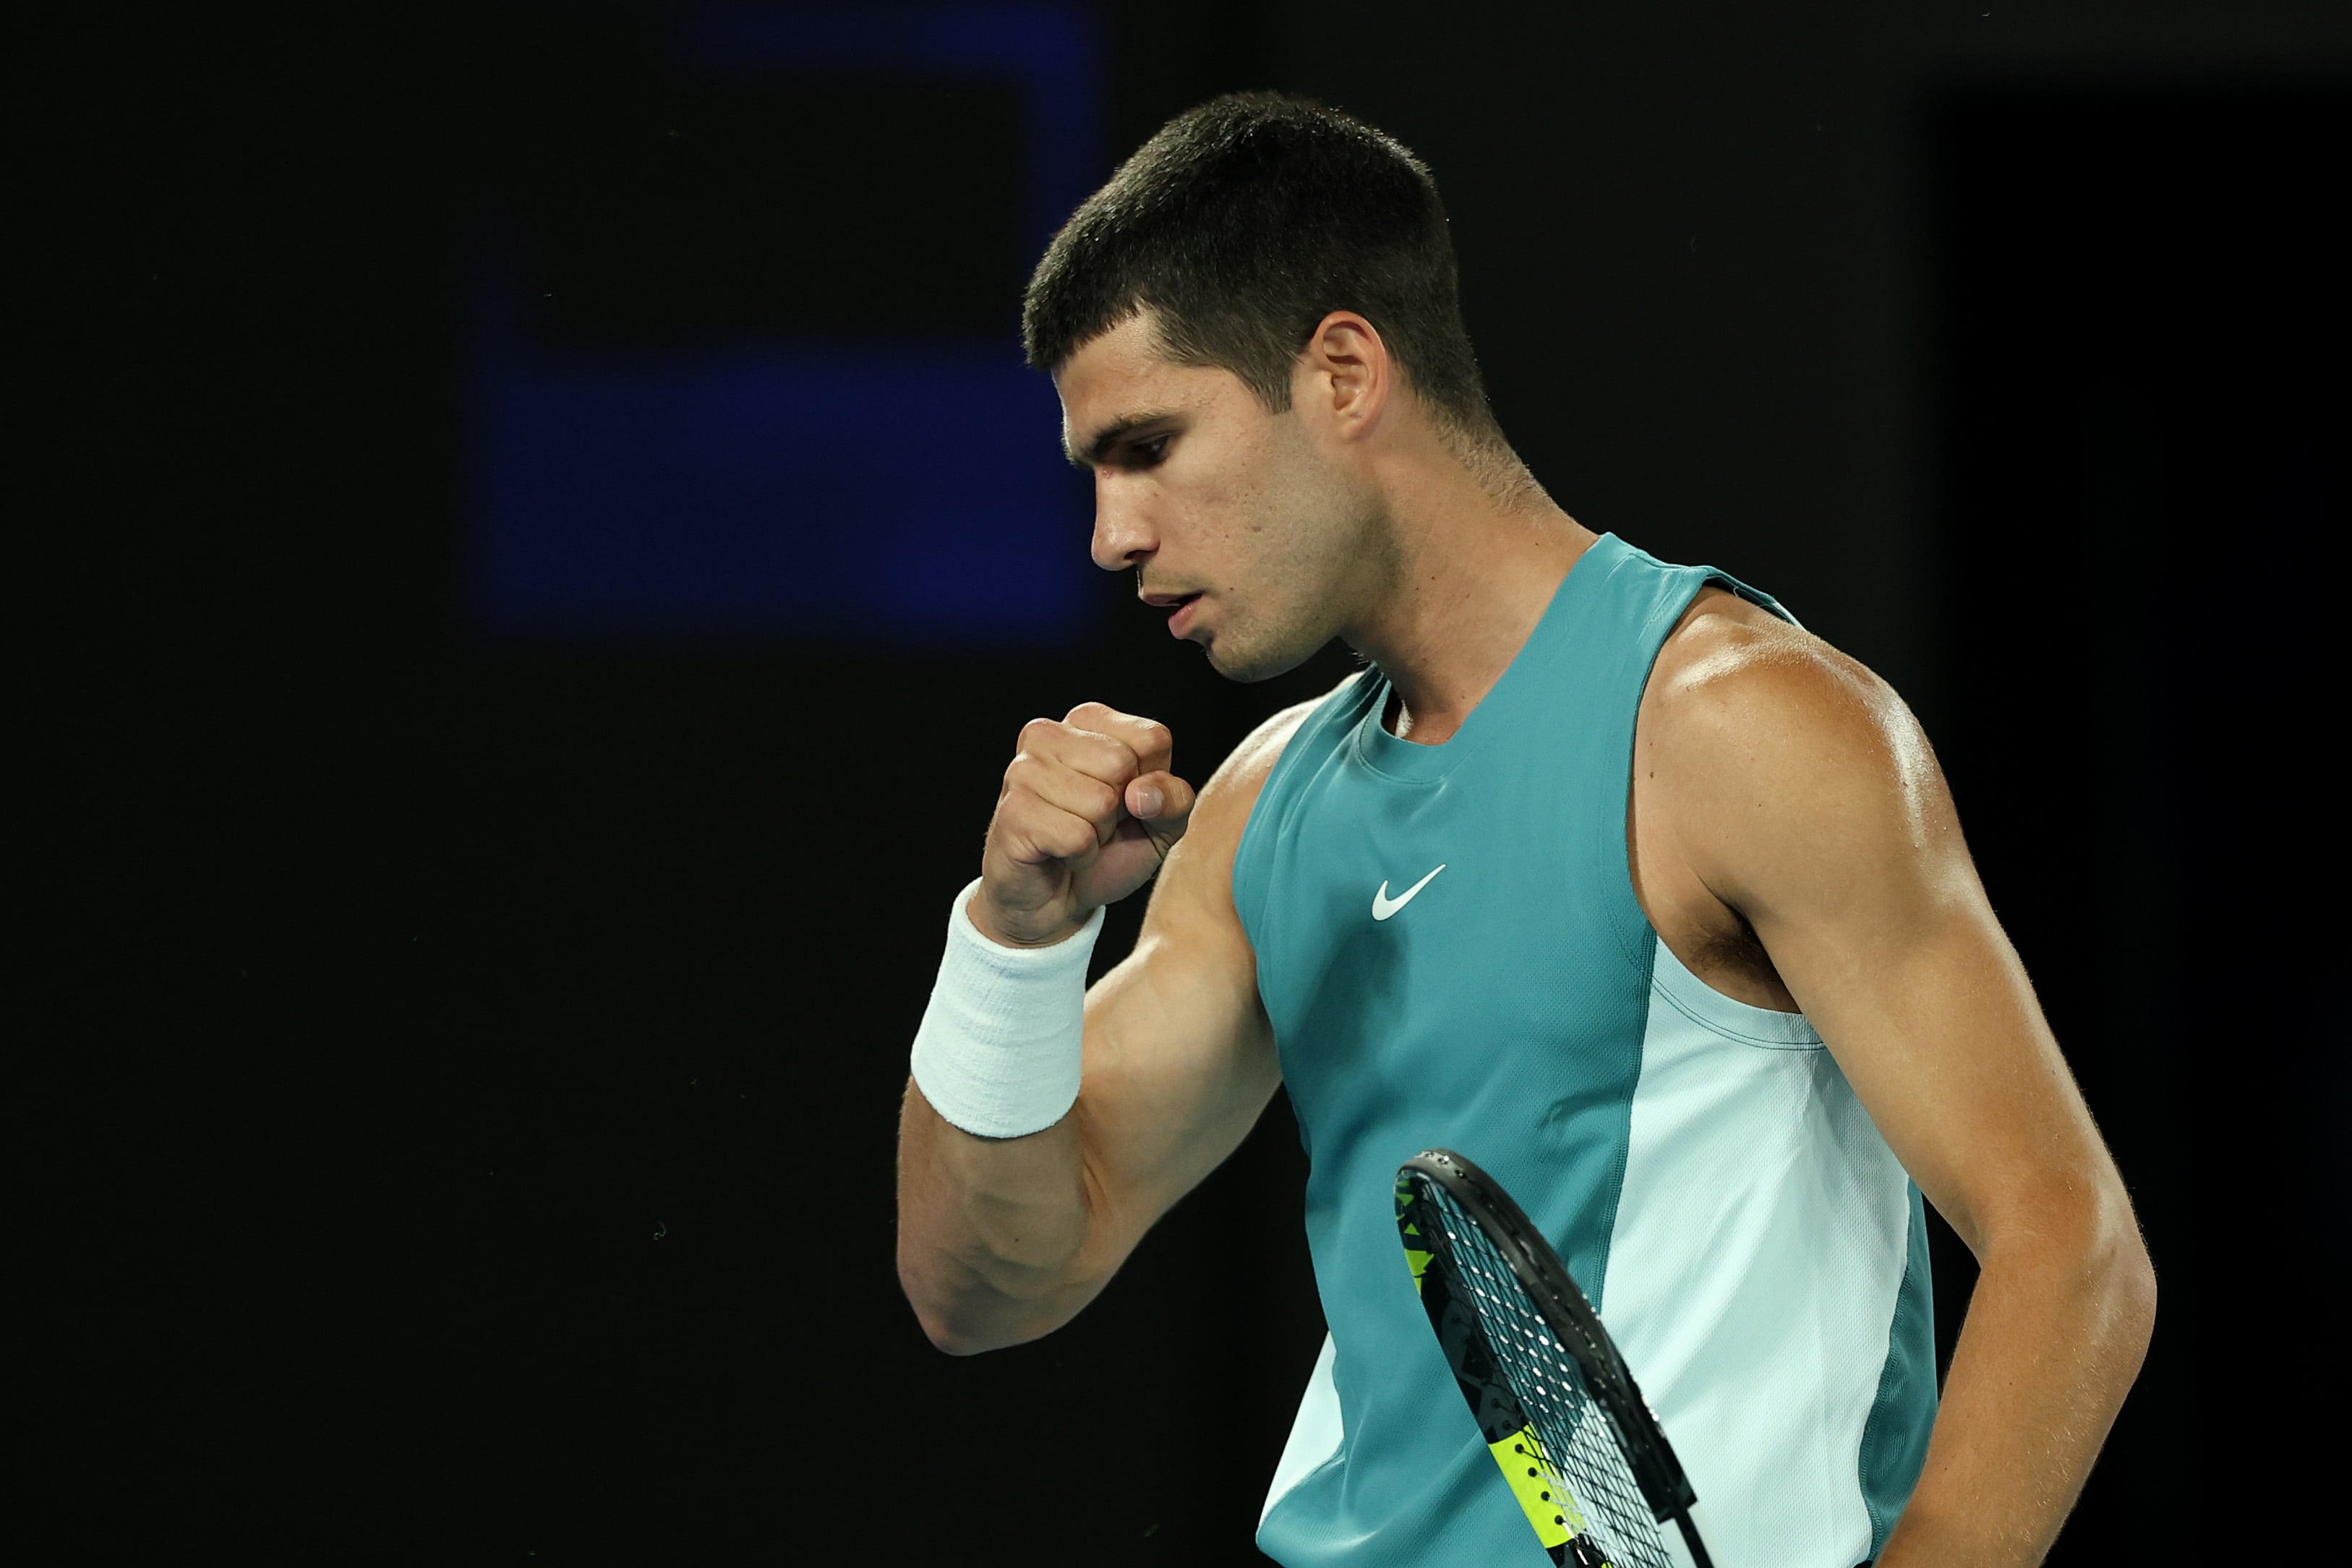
999 1049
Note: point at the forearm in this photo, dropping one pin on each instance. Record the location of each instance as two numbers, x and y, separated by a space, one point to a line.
992 1232
991 1191
2054 1336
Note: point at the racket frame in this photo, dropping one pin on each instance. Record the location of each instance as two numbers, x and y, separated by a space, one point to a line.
1554 1294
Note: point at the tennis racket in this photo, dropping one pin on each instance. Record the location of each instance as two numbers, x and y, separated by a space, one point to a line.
1575 1442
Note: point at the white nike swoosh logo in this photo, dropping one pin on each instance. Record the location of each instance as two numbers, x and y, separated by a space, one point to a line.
1383 905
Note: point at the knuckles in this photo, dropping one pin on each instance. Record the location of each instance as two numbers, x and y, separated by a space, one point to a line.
1099 754
1029 778
1065 787
1146 737
1103 804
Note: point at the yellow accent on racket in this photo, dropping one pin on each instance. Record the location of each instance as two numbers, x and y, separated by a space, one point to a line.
1536 1483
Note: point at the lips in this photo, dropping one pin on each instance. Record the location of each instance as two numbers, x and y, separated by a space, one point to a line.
1183 604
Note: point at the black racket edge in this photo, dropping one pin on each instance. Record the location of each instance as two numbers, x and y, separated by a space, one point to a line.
1664 1486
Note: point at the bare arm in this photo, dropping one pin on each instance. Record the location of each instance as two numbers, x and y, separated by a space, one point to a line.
1801 792
1002 1241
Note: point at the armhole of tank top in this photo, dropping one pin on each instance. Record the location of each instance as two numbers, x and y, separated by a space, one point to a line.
1758 597
1637 939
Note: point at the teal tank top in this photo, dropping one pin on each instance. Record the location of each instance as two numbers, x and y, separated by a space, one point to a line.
1451 952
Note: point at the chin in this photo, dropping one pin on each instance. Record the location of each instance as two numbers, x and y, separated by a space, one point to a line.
1239 662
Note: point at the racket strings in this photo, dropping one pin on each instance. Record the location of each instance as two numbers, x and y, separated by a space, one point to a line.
1580 1447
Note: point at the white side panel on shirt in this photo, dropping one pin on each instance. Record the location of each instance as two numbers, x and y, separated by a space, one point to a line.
1315 1434
1759 1244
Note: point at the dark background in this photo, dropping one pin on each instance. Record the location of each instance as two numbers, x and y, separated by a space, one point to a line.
458 1065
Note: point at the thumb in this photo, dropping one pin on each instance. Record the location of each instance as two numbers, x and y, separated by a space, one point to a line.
1160 799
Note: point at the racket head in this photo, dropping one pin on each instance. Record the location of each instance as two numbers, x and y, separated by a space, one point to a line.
1549 1389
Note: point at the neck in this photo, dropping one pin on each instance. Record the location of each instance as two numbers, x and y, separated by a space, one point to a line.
1470 576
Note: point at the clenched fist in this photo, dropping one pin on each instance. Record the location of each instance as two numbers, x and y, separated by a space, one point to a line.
1088 811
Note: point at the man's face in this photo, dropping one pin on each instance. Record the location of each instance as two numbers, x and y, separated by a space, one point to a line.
1255 541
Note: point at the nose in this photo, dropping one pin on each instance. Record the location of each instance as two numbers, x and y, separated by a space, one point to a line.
1124 537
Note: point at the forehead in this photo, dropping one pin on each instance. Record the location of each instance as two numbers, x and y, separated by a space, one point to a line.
1122 376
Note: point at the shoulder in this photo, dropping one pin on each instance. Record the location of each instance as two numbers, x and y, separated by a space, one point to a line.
1733 674
1760 740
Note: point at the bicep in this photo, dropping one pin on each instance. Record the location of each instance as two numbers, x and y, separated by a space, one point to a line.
1837 840
1933 1021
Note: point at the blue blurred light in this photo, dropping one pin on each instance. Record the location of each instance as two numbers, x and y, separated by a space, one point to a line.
892 492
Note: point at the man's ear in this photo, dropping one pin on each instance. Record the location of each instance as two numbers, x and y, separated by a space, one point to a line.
1345 376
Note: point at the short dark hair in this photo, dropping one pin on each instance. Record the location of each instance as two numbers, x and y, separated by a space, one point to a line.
1240 226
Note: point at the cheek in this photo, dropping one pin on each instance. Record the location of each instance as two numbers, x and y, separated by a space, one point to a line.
1248 504
1268 499
1298 519
1220 517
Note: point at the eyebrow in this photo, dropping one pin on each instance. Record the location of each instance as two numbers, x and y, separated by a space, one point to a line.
1091 455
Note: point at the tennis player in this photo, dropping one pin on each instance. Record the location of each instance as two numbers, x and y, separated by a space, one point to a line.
1603 871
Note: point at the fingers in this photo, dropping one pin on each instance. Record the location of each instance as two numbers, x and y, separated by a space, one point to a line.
1147 739
1033 834
1056 785
1054 810
1076 779
1095 753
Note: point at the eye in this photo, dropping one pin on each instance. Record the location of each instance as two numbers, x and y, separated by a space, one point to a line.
1148 454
